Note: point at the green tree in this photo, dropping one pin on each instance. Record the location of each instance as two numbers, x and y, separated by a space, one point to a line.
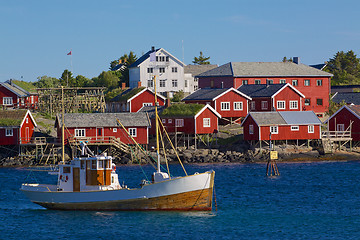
127 60
81 81
178 96
67 78
345 67
47 82
107 79
285 59
201 60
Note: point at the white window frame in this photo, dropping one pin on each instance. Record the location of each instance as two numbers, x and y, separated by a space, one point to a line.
251 129
282 81
146 104
293 105
9 132
264 105
170 120
174 83
225 106
150 70
294 128
307 101
114 130
8 101
245 82
27 120
150 83
257 81
174 69
133 132
295 82
161 70
252 105
340 127
80 132
238 106
279 103
319 82
162 83
206 122
310 128
274 129
179 122
307 82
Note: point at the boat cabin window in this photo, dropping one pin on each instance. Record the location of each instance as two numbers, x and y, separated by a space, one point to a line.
82 164
66 170
93 164
101 164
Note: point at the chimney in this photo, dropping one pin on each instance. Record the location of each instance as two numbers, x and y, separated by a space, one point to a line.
153 49
222 84
123 86
139 84
296 60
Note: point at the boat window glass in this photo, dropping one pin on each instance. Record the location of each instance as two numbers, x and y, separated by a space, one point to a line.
93 164
82 164
101 164
66 170
107 163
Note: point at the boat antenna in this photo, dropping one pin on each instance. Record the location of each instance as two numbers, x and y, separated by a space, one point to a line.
62 125
157 128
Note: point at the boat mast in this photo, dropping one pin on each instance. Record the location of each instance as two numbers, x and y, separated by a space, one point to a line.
157 128
62 126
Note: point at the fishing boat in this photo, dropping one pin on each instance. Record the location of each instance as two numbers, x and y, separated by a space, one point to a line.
90 182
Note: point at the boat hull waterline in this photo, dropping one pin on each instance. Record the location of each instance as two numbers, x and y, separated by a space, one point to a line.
193 192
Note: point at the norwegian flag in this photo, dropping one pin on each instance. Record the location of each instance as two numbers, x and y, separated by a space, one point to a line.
70 53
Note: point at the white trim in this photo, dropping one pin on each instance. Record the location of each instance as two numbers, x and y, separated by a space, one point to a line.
236 91
225 104
312 130
76 130
211 109
293 101
11 90
292 87
130 133
32 119
345 106
207 119
241 106
277 129
280 101
294 128
12 132
136 95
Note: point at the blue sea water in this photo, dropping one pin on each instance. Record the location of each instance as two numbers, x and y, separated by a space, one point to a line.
308 201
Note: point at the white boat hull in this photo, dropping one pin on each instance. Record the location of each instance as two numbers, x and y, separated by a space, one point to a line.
192 192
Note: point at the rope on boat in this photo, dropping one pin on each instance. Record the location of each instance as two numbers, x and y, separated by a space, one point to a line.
139 163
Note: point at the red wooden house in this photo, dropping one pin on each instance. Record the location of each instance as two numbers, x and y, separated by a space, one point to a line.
228 102
343 118
16 127
312 82
132 100
14 96
273 97
301 125
103 127
189 119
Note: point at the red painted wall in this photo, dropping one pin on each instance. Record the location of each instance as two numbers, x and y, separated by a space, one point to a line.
285 133
27 135
287 95
312 92
231 97
146 97
9 140
344 117
4 92
200 129
247 136
258 107
91 134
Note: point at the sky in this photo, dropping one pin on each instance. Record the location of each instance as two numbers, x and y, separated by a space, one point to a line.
35 36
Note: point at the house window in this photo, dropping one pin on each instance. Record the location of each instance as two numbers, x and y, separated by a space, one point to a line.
163 120
274 129
257 81
282 81
132 132
319 101
157 58
280 104
311 129
161 70
293 104
307 101
27 120
79 132
252 105
179 122
269 81
225 106
174 83
114 130
294 128
340 127
162 83
251 129
9 132
319 82
264 105
206 122
307 82
174 69
167 58
294 82
238 106
150 83
186 83
146 104
7 101
196 87
245 82
169 120
150 70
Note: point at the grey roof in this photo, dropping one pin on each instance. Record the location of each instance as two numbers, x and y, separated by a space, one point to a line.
150 110
197 69
142 58
260 90
205 94
17 90
105 119
347 97
285 118
299 118
264 69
